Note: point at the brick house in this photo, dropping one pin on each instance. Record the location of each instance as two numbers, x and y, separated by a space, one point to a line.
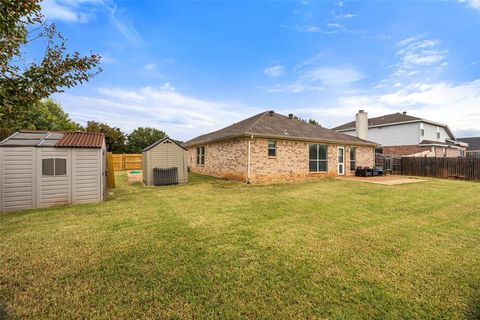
406 135
272 147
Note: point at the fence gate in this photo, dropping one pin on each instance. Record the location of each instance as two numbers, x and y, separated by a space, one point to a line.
127 161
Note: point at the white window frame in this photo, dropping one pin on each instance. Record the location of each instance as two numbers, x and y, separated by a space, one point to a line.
318 160
274 148
200 157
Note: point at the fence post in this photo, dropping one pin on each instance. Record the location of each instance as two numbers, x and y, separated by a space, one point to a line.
110 171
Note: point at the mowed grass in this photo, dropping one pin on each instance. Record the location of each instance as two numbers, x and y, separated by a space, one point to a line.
325 249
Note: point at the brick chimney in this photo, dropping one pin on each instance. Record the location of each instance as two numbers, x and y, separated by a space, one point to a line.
361 124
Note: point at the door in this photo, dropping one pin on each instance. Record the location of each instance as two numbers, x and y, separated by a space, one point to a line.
341 160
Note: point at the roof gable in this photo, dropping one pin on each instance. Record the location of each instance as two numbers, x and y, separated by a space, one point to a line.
164 140
269 124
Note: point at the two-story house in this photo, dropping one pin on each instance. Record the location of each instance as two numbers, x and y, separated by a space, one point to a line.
403 134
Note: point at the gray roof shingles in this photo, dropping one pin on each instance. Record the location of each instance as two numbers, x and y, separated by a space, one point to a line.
382 120
473 143
277 126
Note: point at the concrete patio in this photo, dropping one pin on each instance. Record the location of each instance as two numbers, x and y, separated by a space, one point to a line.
385 180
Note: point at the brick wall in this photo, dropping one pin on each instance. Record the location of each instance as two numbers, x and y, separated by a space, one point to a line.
229 160
405 150
427 151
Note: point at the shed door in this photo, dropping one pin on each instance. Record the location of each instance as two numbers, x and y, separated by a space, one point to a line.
53 176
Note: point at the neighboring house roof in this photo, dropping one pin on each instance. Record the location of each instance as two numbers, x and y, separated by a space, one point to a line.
390 119
269 124
161 141
379 121
473 143
27 138
438 143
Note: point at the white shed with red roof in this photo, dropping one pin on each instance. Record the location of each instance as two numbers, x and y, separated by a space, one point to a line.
40 169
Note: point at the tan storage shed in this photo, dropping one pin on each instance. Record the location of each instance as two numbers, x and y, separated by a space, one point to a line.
40 169
163 154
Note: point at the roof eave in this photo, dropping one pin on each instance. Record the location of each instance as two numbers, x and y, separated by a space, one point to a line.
270 136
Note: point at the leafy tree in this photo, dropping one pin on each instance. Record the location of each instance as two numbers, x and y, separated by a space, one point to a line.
141 138
42 115
23 84
311 121
114 137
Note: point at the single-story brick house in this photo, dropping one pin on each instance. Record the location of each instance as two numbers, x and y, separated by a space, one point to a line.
273 147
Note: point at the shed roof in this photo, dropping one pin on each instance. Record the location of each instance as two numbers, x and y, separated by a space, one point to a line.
81 140
269 124
161 141
31 138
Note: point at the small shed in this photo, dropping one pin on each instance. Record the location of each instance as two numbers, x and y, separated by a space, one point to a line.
40 169
164 154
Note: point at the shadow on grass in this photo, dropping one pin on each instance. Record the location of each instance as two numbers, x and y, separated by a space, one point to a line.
474 310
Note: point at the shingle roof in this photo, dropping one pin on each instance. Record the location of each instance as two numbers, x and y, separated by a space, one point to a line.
473 143
382 120
441 143
81 140
273 125
27 138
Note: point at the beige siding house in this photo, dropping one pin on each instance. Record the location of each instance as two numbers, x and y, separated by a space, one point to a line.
41 169
165 153
273 147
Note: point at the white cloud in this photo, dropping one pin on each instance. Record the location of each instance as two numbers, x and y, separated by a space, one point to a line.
275 71
475 4
180 115
124 25
345 16
417 54
150 67
309 76
457 105
80 11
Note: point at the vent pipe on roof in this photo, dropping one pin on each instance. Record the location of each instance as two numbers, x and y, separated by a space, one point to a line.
290 115
271 112
404 112
361 124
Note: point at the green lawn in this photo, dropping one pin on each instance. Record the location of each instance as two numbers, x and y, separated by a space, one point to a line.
326 249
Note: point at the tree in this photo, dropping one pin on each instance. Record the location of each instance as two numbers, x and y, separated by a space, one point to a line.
42 115
141 138
23 84
311 121
114 137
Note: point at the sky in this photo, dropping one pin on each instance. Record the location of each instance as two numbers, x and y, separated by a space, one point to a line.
189 68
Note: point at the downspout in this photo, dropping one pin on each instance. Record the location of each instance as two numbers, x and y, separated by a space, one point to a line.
248 160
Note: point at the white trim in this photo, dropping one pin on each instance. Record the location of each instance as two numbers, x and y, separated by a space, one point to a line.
341 163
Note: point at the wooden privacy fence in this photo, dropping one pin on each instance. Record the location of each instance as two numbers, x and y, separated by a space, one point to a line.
458 168
127 161
110 171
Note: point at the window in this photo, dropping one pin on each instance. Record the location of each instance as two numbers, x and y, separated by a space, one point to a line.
353 158
54 167
272 148
422 130
201 156
438 132
317 158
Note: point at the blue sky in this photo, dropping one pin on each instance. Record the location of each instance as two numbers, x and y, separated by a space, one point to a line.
192 67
